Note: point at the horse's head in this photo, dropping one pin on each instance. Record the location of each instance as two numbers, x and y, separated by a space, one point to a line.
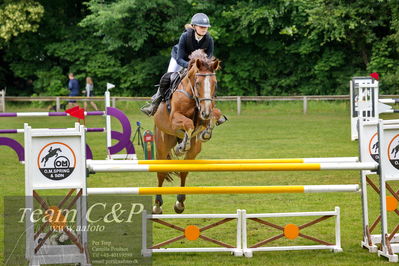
203 77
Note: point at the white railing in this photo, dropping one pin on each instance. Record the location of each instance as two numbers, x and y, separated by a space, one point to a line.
238 99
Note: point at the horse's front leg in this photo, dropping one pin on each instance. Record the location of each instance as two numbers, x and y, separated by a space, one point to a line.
217 117
182 147
206 134
181 122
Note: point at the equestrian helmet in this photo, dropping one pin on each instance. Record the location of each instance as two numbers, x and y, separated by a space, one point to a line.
200 19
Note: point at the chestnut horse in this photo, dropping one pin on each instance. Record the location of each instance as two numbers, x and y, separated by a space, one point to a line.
190 121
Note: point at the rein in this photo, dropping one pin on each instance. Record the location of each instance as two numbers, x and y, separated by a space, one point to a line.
194 91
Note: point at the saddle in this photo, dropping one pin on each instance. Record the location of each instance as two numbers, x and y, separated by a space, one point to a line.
168 85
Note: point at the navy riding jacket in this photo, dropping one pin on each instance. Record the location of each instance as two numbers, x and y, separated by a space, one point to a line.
188 44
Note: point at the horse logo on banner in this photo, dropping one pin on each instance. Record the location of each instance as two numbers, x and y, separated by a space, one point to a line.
56 161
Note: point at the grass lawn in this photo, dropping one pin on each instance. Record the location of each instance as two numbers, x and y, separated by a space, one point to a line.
274 130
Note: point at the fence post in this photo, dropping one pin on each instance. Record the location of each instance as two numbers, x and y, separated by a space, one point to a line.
238 105
3 100
57 104
305 104
113 102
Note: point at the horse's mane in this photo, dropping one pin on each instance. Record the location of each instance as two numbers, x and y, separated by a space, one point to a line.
201 55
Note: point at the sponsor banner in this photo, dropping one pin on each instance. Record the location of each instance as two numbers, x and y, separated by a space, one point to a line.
393 151
373 148
56 161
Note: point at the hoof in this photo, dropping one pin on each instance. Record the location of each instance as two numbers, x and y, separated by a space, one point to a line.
157 209
221 120
205 135
179 151
179 207
187 147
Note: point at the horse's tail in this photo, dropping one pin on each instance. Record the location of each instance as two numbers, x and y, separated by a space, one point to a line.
169 175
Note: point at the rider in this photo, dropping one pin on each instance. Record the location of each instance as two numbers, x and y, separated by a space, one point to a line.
195 37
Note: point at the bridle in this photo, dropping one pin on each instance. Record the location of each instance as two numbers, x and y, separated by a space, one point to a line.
194 90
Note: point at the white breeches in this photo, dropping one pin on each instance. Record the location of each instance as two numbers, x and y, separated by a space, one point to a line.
173 66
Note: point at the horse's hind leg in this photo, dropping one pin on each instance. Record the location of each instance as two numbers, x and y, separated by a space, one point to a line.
179 205
163 143
190 155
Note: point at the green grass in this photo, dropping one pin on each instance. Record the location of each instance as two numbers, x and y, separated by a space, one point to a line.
273 130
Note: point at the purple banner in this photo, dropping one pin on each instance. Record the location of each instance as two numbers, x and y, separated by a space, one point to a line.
129 145
13 144
124 137
89 153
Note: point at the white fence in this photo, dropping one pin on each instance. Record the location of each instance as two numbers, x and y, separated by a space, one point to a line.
243 244
2 101
238 99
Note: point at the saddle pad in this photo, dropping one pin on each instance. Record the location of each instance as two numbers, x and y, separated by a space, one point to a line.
175 79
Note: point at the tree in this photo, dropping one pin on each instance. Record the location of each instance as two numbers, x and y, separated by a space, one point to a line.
16 17
19 16
280 47
139 34
368 28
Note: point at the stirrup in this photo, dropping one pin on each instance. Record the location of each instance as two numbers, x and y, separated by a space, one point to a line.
221 120
148 109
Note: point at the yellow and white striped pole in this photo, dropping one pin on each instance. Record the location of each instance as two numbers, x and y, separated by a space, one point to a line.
231 161
94 167
224 190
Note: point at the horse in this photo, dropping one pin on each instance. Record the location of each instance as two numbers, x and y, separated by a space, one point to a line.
50 154
375 147
395 150
190 122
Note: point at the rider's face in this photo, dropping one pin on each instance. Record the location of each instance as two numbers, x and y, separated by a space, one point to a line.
201 30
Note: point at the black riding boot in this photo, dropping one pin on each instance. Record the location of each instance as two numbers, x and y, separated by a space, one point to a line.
156 99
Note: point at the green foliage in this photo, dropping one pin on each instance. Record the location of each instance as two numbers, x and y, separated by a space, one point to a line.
138 36
53 80
19 16
267 47
128 23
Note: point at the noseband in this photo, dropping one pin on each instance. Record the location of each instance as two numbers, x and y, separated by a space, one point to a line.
194 90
